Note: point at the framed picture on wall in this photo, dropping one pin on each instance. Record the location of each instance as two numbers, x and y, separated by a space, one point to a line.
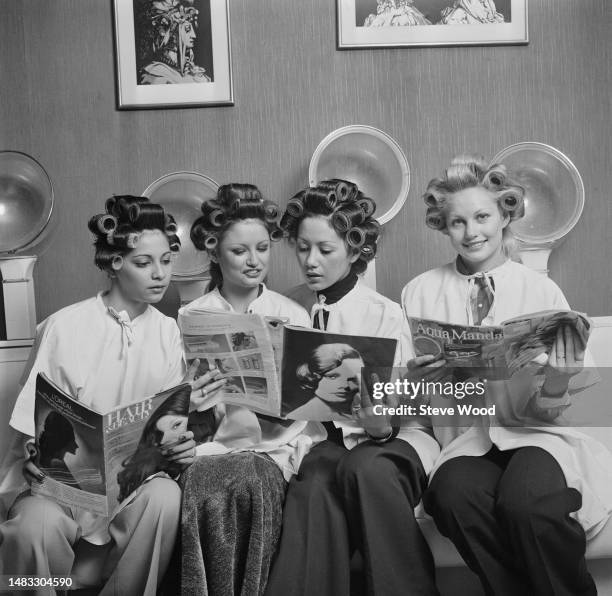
172 53
399 23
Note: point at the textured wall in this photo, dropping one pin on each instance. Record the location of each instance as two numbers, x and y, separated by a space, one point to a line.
292 88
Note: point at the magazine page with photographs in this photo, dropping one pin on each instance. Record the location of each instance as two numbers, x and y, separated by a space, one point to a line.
322 372
245 348
94 460
495 352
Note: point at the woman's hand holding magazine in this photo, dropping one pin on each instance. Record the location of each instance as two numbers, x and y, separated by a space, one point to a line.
30 470
566 359
205 388
427 368
376 426
181 452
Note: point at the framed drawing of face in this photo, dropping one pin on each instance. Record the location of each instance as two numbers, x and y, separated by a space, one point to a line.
398 23
172 53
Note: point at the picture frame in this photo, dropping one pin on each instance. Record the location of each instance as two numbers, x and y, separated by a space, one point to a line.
425 23
172 54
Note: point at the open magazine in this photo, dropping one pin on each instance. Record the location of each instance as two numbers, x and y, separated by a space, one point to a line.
497 352
93 460
277 369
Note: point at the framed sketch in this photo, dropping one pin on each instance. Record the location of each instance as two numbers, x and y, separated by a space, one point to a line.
172 53
398 23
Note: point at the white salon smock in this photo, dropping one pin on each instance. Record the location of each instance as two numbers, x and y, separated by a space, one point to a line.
103 360
363 311
443 294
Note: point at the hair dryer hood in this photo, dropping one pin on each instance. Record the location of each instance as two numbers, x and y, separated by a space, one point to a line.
371 159
26 201
554 192
182 195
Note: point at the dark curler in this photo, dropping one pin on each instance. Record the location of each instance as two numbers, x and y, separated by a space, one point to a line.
331 199
171 227
495 177
341 221
434 219
367 205
106 223
367 251
211 242
110 204
431 200
272 212
510 201
295 208
133 212
175 246
132 240
355 237
342 191
217 218
276 235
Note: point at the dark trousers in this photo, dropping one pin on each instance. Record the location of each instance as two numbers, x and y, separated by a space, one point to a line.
359 499
507 512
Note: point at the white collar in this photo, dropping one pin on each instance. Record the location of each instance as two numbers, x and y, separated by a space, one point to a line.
227 306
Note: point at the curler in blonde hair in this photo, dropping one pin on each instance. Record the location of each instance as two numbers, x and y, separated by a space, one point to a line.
433 219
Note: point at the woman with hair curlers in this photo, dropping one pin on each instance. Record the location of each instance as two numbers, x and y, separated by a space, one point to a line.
108 351
518 500
232 502
357 490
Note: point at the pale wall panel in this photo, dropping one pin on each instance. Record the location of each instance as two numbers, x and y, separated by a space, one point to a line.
292 87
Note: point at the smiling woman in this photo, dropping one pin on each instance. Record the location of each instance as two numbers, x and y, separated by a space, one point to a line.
243 486
518 500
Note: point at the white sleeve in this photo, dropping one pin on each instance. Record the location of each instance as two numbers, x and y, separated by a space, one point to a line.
405 350
176 366
42 360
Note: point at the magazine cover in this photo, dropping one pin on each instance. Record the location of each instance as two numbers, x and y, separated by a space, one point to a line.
245 348
322 372
94 460
496 352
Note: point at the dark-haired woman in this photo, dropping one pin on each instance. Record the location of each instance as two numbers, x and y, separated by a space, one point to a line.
106 351
516 491
357 490
163 429
232 501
